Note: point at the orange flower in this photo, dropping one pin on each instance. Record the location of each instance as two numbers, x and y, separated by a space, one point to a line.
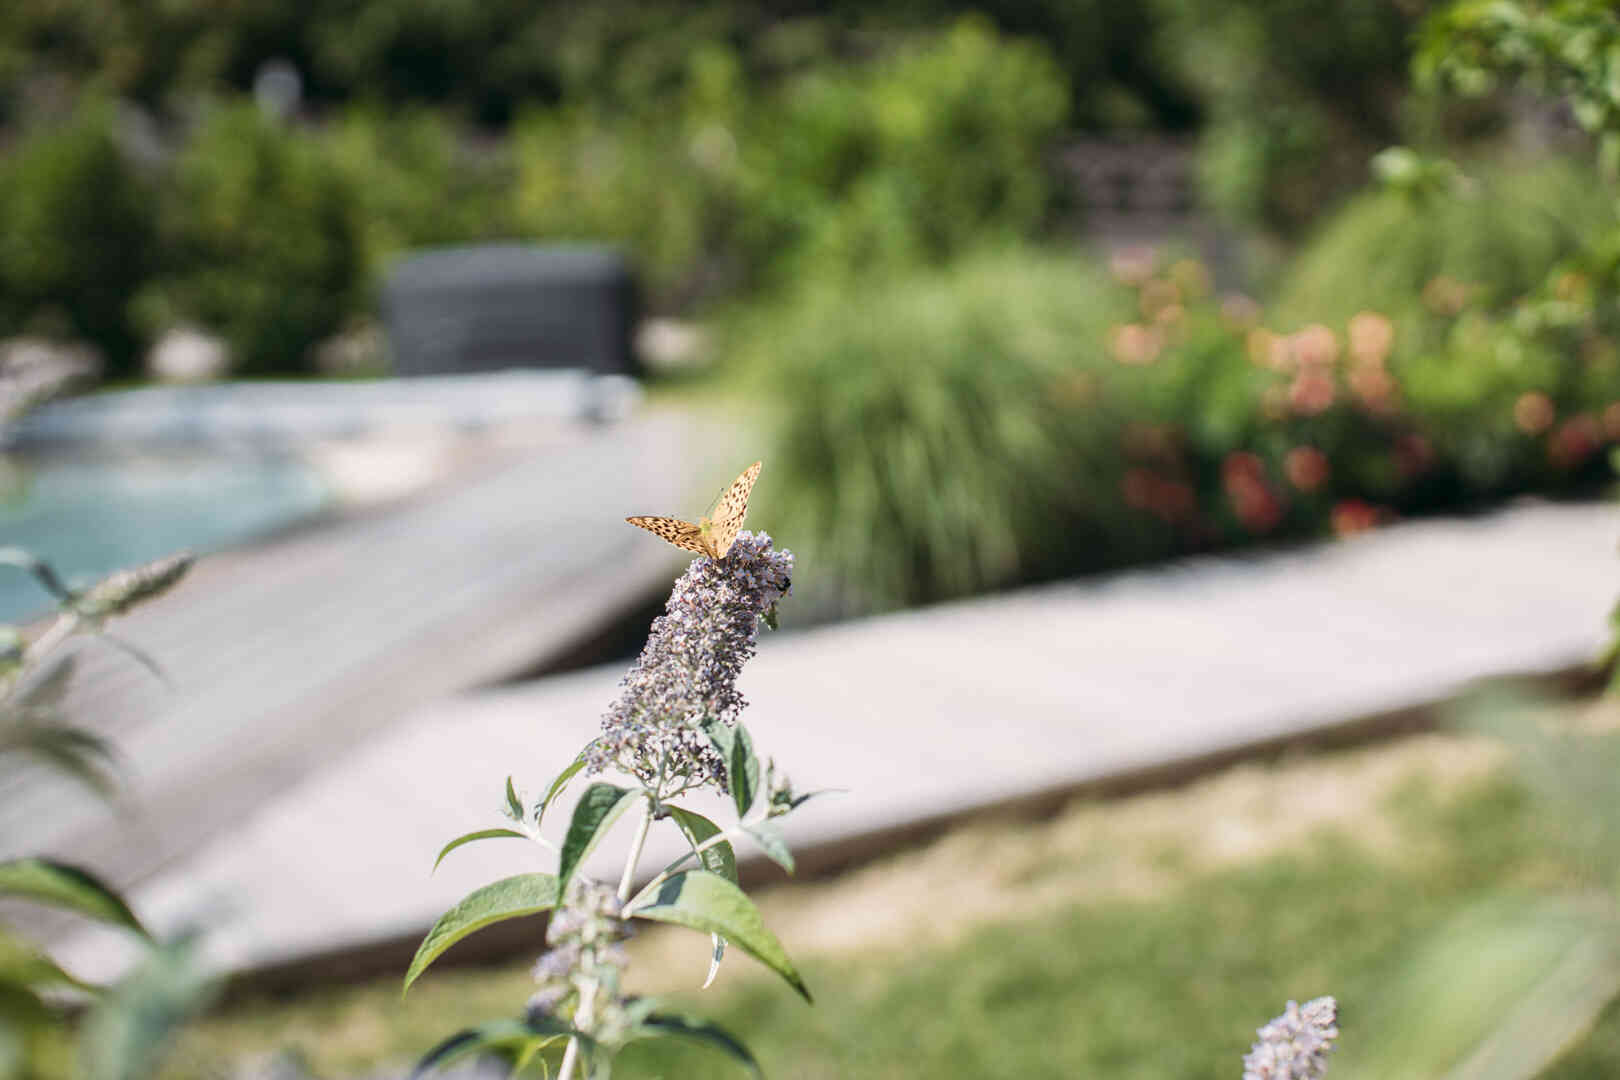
1311 392
1371 337
1135 344
1351 516
1306 468
1575 440
1534 413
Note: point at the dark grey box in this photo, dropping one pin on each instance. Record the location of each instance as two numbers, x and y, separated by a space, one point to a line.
492 307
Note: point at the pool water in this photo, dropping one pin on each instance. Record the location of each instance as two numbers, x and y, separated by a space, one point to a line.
89 517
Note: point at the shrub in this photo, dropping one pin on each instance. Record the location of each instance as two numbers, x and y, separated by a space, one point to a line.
1422 255
918 155
1297 96
659 181
77 235
412 183
937 431
263 241
930 152
1013 418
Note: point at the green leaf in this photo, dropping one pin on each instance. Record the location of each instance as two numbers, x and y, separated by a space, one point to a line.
770 841
128 1030
556 788
509 898
514 805
674 1025
41 570
23 965
706 901
718 859
594 815
742 771
517 1035
481 834
83 755
717 953
63 886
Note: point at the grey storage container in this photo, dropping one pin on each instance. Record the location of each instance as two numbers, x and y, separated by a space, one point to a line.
492 307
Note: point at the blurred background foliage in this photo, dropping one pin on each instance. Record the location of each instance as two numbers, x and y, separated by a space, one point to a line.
865 203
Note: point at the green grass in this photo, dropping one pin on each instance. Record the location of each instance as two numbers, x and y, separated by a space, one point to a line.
1146 938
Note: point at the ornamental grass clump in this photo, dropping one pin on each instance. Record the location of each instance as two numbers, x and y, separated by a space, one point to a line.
675 728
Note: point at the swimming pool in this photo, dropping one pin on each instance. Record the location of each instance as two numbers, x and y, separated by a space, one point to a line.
88 516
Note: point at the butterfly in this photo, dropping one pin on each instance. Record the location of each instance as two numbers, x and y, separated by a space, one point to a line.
714 533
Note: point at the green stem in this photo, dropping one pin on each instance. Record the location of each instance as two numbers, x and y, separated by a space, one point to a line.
665 874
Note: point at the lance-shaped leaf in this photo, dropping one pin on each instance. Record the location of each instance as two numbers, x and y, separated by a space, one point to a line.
23 965
514 805
667 1025
556 788
769 839
131 1027
467 838
78 753
594 815
519 1036
63 886
708 902
509 898
41 571
717 858
742 770
736 749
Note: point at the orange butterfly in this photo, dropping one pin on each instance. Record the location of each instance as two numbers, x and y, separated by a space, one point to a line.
714 534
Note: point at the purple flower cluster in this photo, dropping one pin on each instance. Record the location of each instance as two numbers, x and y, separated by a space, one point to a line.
686 677
1295 1045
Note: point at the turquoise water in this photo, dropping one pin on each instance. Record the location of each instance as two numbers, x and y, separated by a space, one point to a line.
88 517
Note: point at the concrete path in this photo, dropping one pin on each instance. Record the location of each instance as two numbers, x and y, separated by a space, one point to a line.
927 714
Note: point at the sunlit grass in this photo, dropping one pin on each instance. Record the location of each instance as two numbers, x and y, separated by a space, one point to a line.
1143 938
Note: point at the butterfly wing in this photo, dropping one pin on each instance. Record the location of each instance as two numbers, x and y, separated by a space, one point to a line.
728 515
683 534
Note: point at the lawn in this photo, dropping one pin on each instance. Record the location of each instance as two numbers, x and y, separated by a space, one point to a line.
1144 937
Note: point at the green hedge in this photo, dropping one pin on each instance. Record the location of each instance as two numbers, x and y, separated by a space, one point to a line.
275 235
77 236
261 241
915 156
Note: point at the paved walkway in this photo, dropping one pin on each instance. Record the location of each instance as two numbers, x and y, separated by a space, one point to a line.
930 713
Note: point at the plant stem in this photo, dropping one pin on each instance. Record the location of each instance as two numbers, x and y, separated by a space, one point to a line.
664 874
58 632
635 852
587 995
